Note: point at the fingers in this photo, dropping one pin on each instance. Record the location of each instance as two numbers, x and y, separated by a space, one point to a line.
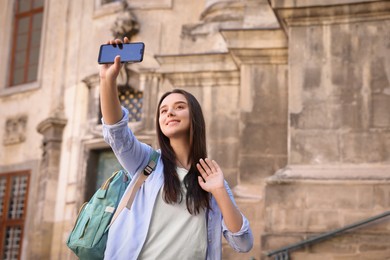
118 41
115 41
207 167
203 168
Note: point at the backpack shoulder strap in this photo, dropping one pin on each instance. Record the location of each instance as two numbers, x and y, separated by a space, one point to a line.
128 198
152 163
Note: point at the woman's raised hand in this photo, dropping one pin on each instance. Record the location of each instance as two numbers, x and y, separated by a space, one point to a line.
212 178
111 71
214 183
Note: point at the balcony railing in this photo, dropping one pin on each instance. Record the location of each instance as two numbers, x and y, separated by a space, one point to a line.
284 252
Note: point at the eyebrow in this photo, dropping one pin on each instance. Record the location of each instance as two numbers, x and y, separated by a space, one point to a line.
177 102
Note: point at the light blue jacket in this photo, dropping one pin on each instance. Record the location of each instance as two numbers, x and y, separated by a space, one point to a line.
128 233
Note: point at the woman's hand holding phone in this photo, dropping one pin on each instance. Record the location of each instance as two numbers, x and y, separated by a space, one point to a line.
110 71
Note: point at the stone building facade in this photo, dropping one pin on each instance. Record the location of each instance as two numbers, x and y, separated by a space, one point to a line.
296 97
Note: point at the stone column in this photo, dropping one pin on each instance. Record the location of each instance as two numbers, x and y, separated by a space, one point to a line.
261 56
94 117
40 241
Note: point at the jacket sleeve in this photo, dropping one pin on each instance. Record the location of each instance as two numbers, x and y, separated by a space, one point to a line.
131 153
241 241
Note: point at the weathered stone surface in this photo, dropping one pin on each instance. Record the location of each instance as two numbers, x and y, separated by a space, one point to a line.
380 110
340 84
315 147
263 141
364 148
254 168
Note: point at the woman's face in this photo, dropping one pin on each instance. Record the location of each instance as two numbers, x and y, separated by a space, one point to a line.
174 117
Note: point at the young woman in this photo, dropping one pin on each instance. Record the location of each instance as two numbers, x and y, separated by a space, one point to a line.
185 204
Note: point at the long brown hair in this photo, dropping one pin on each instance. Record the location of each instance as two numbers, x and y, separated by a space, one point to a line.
196 198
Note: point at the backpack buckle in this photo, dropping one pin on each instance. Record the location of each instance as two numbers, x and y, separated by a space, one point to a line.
149 168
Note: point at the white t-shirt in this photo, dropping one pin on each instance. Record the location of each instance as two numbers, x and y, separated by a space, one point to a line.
174 233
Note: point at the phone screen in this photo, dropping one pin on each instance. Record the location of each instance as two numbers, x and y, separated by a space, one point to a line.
129 52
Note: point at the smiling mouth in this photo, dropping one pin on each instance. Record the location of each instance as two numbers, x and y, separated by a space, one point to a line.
173 122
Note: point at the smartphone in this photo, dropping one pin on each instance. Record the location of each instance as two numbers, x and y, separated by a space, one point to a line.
129 52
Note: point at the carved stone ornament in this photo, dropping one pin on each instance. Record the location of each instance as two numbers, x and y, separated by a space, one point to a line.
15 130
126 25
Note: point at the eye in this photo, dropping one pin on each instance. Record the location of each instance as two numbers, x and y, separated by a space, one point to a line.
163 111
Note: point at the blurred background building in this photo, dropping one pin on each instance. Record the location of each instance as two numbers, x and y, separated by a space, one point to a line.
296 95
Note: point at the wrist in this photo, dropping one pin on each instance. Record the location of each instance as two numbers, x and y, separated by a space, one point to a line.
218 191
107 83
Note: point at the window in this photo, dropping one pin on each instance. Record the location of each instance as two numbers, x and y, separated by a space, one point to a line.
107 164
132 100
13 204
100 166
26 41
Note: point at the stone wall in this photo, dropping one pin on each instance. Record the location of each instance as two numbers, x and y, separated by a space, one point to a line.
338 157
339 90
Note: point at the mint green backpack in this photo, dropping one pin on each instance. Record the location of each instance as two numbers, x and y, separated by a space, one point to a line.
89 235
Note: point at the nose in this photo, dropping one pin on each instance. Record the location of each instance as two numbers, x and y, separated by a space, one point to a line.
170 112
